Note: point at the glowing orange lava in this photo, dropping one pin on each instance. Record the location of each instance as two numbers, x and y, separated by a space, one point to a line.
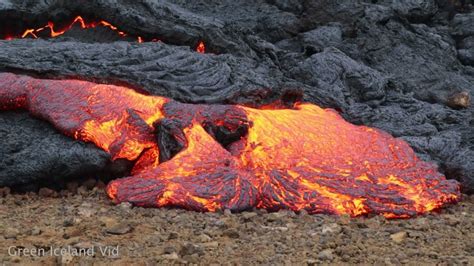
201 47
77 21
236 157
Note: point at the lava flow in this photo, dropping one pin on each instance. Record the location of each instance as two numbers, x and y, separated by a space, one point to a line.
211 157
51 32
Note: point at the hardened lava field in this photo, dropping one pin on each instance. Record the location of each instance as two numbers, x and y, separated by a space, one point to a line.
210 157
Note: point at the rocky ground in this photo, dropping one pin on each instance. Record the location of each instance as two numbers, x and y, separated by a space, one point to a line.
85 218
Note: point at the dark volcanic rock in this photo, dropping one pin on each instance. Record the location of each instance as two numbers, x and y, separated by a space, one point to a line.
467 56
463 24
348 80
466 51
415 9
388 64
175 72
33 150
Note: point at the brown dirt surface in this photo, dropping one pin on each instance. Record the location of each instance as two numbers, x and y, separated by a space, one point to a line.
88 220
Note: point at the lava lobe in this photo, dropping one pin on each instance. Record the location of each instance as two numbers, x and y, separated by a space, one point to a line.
211 157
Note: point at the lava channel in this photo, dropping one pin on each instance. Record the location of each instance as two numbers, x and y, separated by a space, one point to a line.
212 157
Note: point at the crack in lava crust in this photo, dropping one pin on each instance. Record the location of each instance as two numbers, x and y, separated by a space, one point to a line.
302 158
49 31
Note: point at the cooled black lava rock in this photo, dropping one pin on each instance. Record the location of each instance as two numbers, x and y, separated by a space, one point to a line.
34 153
388 64
170 138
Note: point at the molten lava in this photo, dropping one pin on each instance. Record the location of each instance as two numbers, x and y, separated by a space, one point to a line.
52 31
201 47
77 21
211 157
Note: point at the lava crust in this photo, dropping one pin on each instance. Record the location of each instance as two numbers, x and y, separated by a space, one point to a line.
50 30
237 157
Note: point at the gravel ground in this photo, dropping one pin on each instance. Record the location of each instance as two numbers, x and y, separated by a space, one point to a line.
82 219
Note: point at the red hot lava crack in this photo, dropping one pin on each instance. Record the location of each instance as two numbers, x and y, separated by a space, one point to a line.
303 158
52 31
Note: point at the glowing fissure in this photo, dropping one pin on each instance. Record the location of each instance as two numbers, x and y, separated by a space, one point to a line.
53 31
302 158
201 47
